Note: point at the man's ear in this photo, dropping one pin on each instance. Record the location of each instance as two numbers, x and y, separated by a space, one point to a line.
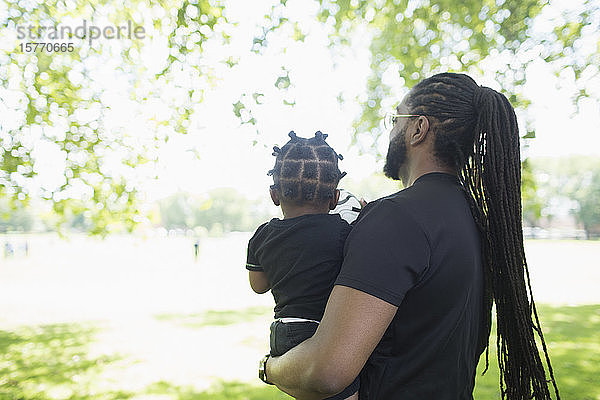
421 131
334 201
274 195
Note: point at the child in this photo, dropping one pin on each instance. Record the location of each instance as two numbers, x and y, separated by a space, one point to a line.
298 258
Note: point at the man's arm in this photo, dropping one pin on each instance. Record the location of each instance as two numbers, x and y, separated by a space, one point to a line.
353 323
259 281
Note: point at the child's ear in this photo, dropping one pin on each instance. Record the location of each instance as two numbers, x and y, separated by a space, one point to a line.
274 195
334 201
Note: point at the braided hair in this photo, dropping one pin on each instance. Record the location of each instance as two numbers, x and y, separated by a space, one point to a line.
306 170
476 133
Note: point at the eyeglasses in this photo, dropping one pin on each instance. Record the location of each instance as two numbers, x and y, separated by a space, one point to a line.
390 119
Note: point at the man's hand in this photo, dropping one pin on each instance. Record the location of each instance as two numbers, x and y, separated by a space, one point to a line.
328 362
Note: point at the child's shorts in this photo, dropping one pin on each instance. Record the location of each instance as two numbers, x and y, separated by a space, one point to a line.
286 335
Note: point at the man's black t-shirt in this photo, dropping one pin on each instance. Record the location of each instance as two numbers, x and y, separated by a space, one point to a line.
301 257
419 249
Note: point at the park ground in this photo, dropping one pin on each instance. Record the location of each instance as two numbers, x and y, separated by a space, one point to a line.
139 318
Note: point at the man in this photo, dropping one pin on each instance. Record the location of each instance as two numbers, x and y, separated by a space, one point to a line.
411 308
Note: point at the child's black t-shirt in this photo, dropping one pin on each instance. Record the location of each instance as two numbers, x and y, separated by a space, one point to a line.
301 257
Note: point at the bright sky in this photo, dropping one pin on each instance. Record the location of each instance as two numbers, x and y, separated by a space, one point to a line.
226 154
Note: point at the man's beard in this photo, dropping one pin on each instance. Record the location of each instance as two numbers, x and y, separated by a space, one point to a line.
396 156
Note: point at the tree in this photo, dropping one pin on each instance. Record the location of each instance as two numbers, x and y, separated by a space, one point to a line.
64 97
589 206
70 99
412 39
371 187
176 211
221 210
532 203
15 217
572 182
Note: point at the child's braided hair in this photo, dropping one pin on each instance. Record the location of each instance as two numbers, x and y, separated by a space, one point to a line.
306 170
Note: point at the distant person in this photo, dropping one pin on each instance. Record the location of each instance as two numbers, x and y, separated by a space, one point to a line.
9 251
298 257
196 249
412 305
24 247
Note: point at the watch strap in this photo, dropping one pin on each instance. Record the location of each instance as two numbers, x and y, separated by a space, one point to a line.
262 369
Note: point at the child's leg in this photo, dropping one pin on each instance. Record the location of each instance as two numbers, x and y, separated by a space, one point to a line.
284 336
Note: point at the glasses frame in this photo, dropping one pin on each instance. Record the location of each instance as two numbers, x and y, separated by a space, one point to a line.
390 119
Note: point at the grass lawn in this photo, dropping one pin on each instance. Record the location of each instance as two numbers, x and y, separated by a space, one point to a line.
573 338
52 361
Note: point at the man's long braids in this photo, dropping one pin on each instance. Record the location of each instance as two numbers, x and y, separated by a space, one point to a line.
476 132
306 170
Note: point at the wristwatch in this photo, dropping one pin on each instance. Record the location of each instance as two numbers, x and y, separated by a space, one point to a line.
262 369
